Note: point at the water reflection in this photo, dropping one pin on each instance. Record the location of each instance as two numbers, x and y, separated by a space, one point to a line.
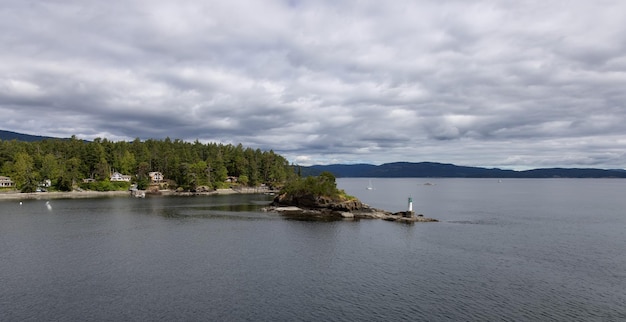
237 212
231 207
236 207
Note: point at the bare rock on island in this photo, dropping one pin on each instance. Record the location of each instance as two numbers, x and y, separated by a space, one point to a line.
323 208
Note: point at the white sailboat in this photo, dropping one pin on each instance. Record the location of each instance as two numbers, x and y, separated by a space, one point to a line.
369 186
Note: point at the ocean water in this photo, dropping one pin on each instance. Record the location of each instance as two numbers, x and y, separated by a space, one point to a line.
519 249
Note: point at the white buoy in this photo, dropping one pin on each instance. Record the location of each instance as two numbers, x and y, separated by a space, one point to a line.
48 205
20 203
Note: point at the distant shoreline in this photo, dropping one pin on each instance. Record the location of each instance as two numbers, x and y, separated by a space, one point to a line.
15 195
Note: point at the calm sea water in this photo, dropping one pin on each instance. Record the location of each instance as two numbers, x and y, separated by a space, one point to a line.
548 250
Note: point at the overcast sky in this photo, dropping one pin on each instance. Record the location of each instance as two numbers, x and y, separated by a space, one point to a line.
510 84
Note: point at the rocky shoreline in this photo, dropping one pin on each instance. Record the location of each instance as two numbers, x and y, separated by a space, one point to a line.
317 208
15 195
293 212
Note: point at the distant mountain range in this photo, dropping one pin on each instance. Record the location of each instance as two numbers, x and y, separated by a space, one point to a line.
8 136
443 170
414 170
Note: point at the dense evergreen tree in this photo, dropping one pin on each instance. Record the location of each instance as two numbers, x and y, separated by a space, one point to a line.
189 165
50 169
23 172
323 185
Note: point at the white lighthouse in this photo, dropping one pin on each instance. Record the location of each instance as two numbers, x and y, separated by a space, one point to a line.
409 213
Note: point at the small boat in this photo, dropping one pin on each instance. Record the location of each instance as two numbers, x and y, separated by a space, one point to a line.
369 186
137 193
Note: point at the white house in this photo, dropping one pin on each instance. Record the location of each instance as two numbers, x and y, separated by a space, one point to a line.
156 177
6 182
231 179
116 176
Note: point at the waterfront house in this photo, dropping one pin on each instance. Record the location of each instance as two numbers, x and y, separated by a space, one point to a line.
116 176
156 177
6 182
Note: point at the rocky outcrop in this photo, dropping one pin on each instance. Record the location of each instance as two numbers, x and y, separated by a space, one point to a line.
317 208
310 201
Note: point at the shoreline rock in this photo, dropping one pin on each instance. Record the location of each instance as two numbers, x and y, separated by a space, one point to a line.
317 208
293 212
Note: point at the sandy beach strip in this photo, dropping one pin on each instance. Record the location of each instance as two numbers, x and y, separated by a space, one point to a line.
62 195
14 195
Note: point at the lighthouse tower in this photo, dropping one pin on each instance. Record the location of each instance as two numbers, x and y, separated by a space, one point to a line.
409 213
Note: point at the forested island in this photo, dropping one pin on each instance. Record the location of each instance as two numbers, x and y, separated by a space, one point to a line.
318 198
70 164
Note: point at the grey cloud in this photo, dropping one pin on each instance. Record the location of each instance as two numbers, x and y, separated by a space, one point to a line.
479 83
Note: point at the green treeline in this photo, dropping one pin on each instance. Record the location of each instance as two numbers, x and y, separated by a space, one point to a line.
185 165
324 185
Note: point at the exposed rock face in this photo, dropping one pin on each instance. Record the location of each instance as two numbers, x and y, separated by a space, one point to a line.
318 202
311 207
